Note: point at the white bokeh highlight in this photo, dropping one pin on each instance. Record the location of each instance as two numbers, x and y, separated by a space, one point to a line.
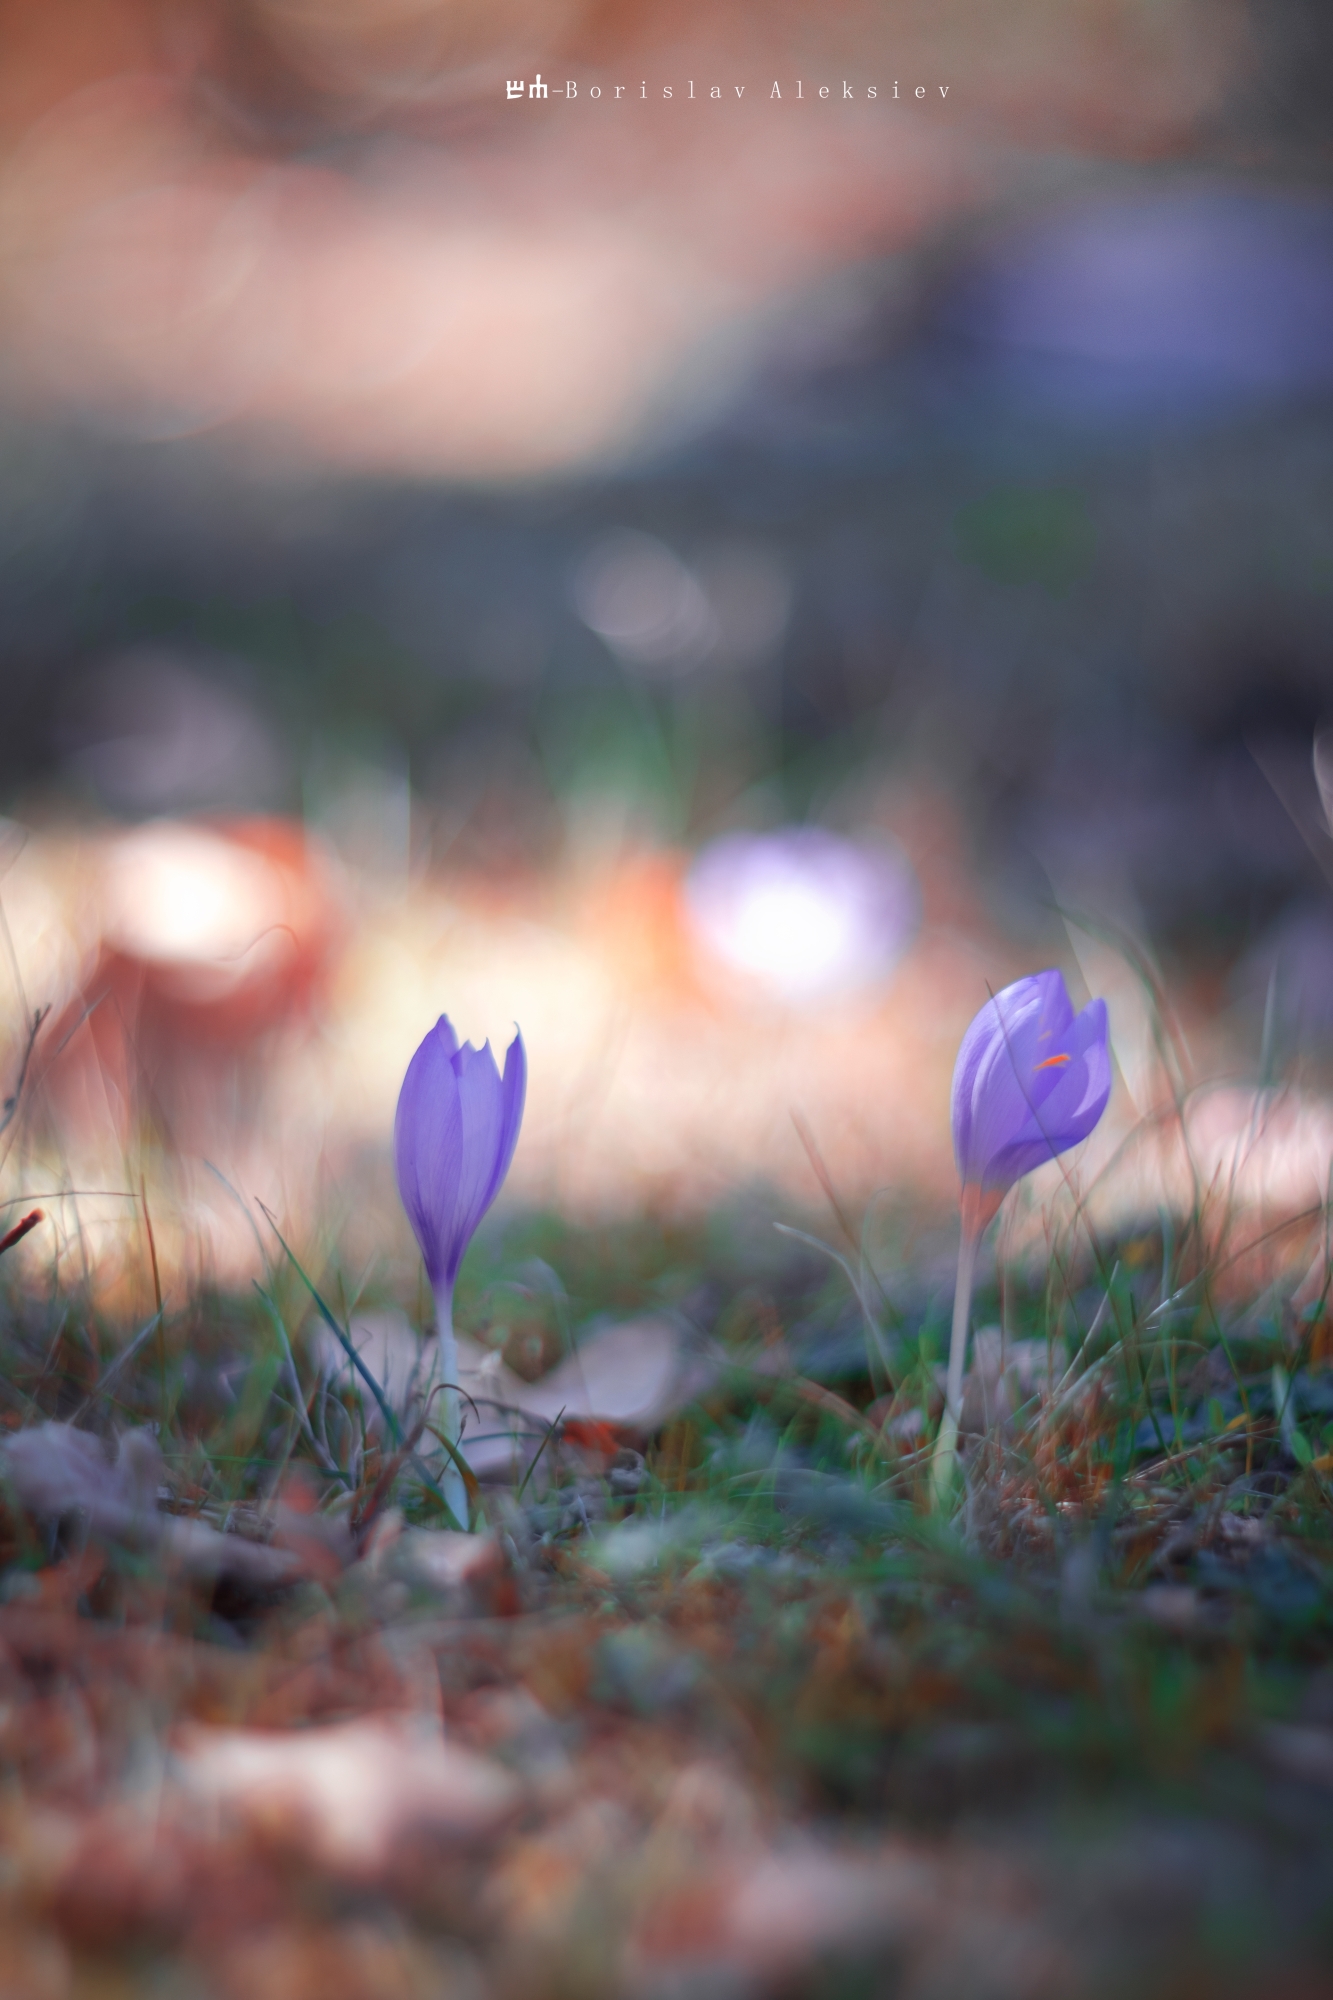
805 915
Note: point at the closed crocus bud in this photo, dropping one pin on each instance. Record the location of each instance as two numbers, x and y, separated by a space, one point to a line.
1031 1080
454 1136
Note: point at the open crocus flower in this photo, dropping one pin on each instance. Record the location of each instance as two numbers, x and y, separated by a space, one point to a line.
454 1135
1032 1079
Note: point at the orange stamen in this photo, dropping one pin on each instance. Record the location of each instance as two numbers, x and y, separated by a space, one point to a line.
1052 1062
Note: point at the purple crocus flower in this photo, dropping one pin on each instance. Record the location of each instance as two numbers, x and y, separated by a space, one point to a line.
1031 1080
453 1138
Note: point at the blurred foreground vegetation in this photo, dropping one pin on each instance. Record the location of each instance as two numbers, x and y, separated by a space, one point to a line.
1085 1706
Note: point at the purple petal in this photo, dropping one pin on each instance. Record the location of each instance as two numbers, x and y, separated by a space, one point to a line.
1079 1094
1058 1123
428 1145
1030 1081
997 1059
514 1093
492 1113
481 1097
455 1132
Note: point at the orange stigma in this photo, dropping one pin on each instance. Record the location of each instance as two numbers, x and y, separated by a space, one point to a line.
1052 1062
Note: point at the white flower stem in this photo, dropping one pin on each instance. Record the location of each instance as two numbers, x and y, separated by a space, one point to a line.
447 1405
968 1244
978 1207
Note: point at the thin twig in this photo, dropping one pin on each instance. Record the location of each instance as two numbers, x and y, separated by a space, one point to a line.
551 1429
872 1324
21 1229
9 1109
823 1176
113 1368
383 1486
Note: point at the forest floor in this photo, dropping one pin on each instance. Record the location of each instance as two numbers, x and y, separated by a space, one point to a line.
733 1698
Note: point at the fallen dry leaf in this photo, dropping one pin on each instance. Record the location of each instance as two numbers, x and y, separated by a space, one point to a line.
632 1377
349 1961
122 1877
347 1794
635 1375
56 1471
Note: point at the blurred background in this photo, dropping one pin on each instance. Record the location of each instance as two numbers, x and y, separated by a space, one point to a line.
718 581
